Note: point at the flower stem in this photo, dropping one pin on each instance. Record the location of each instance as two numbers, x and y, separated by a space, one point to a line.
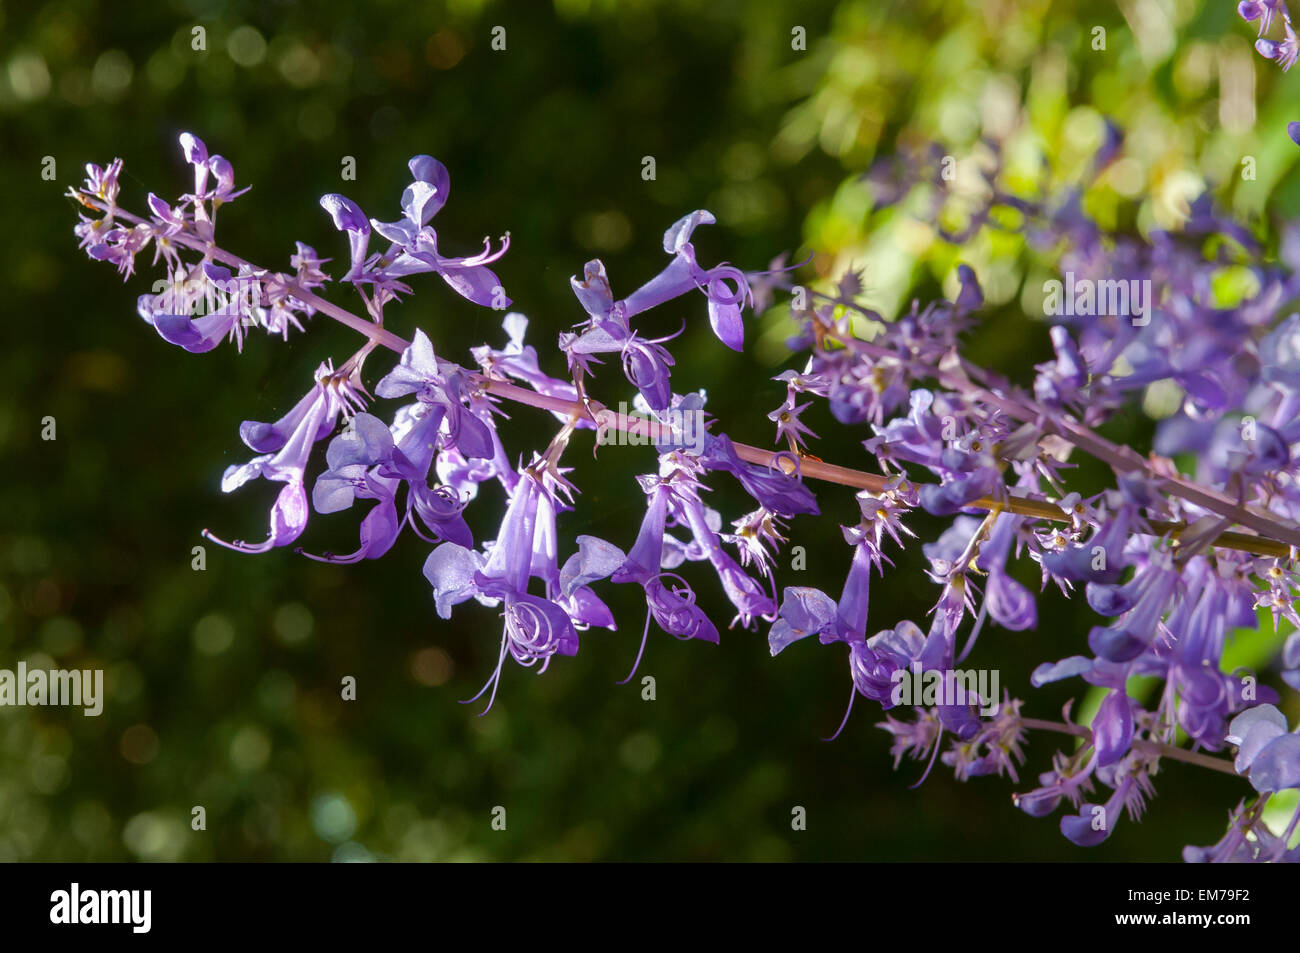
1121 459
1274 543
1144 747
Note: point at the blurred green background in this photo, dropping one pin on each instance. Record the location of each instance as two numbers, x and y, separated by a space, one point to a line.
223 685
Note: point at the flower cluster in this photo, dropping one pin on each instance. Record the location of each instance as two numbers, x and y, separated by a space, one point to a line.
1149 556
1171 564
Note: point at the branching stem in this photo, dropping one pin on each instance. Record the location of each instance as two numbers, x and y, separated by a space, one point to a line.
1276 540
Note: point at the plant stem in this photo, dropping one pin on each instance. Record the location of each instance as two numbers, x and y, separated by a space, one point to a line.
1121 459
1145 747
1274 544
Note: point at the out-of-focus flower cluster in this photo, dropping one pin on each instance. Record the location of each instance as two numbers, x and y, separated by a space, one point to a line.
1283 51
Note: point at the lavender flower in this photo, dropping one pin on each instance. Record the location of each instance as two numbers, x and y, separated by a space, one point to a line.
413 245
1173 565
284 449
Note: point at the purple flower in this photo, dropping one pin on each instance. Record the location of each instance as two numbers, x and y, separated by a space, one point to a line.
101 181
1285 52
1009 603
1098 560
196 154
596 559
421 201
996 750
118 244
1112 727
354 473
1146 597
873 662
414 247
754 533
1277 766
1094 823
1279 353
1262 10
726 287
770 487
225 175
205 166
445 387
284 449
536 628
679 473
804 611
914 739
1061 382
1266 752
1248 840
789 428
607 331
1291 659
1255 450
670 601
370 461
348 217
228 319
1070 667
1069 780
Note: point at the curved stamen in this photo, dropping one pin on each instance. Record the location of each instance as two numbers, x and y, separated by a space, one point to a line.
645 635
493 680
975 630
726 284
239 545
933 755
853 691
